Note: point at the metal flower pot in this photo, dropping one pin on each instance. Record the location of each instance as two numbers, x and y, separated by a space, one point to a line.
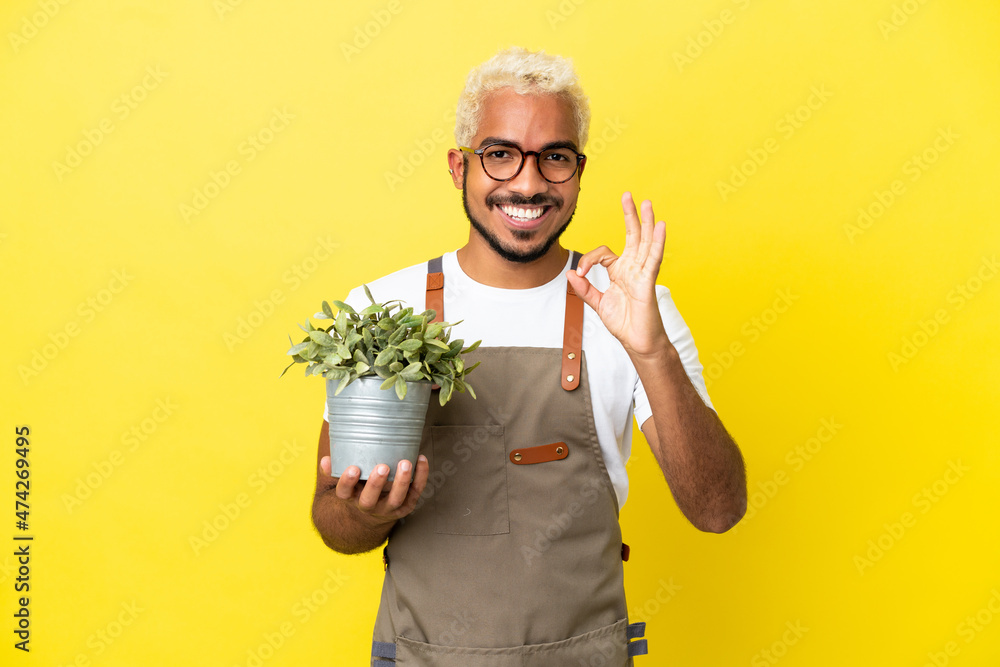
369 425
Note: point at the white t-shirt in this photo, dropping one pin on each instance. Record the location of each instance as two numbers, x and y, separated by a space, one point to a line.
496 317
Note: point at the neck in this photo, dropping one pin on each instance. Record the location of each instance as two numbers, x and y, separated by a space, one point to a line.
483 265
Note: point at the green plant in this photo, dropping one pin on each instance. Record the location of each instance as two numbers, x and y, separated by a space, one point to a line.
398 347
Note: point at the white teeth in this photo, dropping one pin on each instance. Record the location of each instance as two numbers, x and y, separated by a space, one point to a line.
522 213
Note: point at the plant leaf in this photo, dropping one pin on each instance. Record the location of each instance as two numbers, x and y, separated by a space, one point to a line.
436 343
411 345
344 381
397 336
385 357
389 381
321 338
298 348
343 306
446 389
327 310
400 387
433 331
472 347
412 373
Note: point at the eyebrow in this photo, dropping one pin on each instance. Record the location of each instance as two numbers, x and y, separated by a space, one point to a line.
552 144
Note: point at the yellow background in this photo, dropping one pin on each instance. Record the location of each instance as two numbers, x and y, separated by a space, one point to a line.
185 343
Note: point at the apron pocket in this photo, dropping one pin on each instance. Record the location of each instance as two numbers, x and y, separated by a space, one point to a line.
605 646
471 461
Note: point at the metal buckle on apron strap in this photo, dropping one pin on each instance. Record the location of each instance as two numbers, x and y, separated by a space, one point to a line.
540 454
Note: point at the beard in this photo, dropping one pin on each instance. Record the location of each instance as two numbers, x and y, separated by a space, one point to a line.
499 247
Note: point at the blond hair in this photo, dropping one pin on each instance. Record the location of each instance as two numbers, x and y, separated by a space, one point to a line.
527 72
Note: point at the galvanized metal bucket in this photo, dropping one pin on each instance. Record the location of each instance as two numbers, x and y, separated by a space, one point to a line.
369 425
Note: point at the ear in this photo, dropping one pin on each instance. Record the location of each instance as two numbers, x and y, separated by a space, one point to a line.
456 165
579 171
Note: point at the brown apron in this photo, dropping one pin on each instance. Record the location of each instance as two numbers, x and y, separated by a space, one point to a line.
513 558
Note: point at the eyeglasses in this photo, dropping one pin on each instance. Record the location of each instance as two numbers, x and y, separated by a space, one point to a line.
503 162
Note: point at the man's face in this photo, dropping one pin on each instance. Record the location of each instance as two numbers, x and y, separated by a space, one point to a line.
522 218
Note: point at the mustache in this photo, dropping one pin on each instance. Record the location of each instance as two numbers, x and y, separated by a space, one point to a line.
513 199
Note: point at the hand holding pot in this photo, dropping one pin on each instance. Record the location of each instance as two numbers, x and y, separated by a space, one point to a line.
382 501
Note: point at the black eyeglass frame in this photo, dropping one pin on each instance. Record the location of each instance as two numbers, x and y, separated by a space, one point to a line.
580 159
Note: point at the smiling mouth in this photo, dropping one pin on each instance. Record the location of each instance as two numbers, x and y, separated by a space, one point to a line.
522 216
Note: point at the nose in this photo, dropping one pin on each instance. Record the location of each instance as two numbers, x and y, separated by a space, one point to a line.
529 180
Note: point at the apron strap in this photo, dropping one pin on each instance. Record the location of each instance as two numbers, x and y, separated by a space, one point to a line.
572 327
634 631
572 334
435 289
383 653
634 648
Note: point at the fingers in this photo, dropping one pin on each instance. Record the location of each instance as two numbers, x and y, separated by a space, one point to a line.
419 482
646 232
590 294
400 485
324 465
603 256
423 471
632 224
373 487
644 235
347 481
657 245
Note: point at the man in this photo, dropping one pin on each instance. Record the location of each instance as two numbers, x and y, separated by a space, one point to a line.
517 534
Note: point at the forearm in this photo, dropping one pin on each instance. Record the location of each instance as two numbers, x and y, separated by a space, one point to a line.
700 461
344 528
